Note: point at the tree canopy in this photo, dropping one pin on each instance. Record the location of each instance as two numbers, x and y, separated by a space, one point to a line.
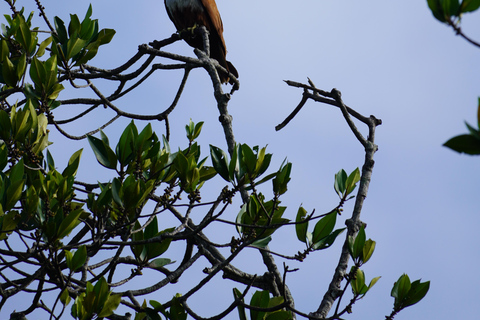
76 235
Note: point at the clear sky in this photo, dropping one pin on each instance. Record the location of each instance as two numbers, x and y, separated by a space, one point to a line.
391 59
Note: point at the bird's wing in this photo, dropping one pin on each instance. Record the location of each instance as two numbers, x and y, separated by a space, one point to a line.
212 11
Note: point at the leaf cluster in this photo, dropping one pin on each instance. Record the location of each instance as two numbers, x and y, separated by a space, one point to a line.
467 143
443 10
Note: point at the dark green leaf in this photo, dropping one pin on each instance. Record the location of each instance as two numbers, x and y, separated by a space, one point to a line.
464 144
124 147
282 178
5 126
61 30
220 162
71 169
9 73
74 25
262 243
279 315
324 227
259 299
117 192
359 243
110 305
417 292
451 7
24 35
14 193
22 63
105 156
241 309
79 258
177 311
17 171
3 156
328 240
249 158
301 228
340 180
69 223
400 290
50 161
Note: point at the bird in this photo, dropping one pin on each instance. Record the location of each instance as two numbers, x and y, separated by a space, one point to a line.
188 14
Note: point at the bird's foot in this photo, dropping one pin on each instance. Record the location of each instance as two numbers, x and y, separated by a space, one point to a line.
189 30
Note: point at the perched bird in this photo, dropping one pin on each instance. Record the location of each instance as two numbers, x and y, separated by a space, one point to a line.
187 14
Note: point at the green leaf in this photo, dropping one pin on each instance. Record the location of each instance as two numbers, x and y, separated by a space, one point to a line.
61 30
359 243
22 64
324 227
241 309
3 155
281 180
328 240
465 143
417 292
368 249
400 290
105 156
339 184
262 243
69 257
71 169
117 192
4 52
124 147
9 73
469 5
74 46
105 36
259 299
17 172
263 162
65 297
220 162
451 7
110 305
358 283
14 193
352 180
279 315
197 130
249 158
41 49
74 25
177 311
207 173
24 35
79 258
50 161
69 223
373 281
301 228
156 249
235 169
5 126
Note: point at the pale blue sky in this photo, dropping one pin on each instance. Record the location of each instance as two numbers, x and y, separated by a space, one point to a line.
391 59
